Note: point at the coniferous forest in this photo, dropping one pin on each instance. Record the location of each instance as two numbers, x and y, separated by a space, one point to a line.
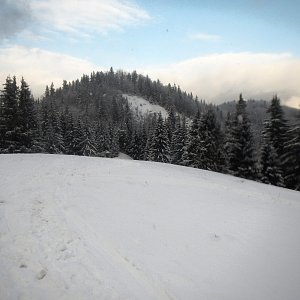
91 117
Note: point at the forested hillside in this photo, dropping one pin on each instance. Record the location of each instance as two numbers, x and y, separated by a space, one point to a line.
91 117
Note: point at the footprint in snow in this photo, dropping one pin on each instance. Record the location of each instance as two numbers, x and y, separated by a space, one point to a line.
63 248
216 237
41 274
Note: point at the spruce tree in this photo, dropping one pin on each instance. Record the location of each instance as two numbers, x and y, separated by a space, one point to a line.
192 153
114 147
136 150
228 143
241 156
143 141
171 124
147 151
159 150
271 171
75 138
9 132
151 125
274 138
276 126
66 125
87 144
68 132
27 119
101 138
178 142
210 141
291 157
52 137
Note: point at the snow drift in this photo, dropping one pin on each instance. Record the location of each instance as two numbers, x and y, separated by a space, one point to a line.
96 228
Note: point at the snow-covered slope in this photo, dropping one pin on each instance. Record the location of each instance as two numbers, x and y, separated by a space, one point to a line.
141 106
95 228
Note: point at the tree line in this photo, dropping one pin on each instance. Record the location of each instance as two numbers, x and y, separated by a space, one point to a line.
90 117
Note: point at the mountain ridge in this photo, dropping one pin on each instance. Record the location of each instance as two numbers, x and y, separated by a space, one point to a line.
97 116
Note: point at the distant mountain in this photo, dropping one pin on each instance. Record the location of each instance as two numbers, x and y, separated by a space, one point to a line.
87 94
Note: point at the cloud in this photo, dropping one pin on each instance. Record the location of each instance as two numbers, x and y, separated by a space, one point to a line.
216 78
14 16
293 101
39 67
221 77
204 37
84 17
79 18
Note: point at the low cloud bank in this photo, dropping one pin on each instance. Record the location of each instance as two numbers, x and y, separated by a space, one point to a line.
221 77
40 67
216 78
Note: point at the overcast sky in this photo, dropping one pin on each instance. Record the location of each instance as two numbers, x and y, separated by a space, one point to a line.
215 49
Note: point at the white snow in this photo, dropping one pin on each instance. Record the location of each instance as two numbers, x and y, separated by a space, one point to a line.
123 156
142 106
95 228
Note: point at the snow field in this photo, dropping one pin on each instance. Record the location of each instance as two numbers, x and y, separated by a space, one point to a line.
95 228
142 106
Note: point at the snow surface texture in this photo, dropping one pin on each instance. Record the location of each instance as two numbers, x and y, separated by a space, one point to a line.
142 106
95 228
123 156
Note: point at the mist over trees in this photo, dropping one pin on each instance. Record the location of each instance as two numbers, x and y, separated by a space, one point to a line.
91 117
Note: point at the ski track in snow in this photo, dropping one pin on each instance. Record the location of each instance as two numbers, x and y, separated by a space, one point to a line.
91 228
